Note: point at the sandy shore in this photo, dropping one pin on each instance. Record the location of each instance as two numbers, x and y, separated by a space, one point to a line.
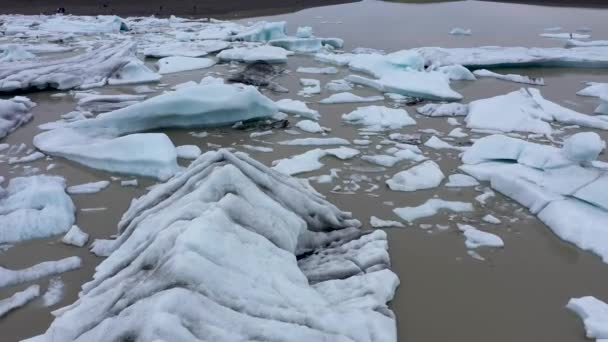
215 8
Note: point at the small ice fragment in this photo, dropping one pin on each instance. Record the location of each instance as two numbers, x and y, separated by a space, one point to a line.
26 159
130 182
346 97
430 208
19 299
310 126
457 31
594 314
583 147
313 70
379 223
75 236
88 188
425 175
53 293
491 219
296 107
477 238
315 141
188 151
460 180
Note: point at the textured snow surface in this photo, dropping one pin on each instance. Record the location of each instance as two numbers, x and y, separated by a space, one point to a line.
303 271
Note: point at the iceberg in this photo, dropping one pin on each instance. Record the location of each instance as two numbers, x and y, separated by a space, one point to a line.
262 32
310 126
315 142
379 223
379 118
54 292
563 35
84 24
593 89
76 237
304 271
315 70
309 87
188 151
34 207
426 175
306 45
14 113
460 180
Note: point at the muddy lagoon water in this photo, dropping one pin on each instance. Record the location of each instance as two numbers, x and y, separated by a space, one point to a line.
447 291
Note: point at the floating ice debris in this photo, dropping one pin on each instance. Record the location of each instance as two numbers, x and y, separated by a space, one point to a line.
350 98
299 260
594 314
89 69
188 151
306 45
379 223
83 24
425 175
594 89
439 144
411 139
131 182
262 32
509 77
431 207
553 29
457 72
75 236
26 159
315 142
310 126
53 293
565 35
496 56
457 31
34 207
102 103
133 72
310 87
379 118
525 110
296 107
103 142
309 161
485 196
391 160
564 195
338 86
194 49
269 54
583 147
19 299
457 133
14 52
491 219
428 85
443 109
88 188
476 238
258 148
14 113
43 269
460 180
316 70
304 32
169 65
578 43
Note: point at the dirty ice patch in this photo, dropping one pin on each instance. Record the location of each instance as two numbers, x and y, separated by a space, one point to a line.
426 175
34 207
310 160
379 118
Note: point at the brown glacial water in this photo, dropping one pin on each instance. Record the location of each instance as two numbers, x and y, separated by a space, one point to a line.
517 294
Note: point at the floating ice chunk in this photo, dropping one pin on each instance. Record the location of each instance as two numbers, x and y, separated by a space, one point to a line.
485 196
26 159
565 35
594 314
43 269
174 64
457 133
306 45
525 111
457 73
188 151
300 260
491 219
101 103
258 148
304 32
432 85
309 161
75 236
509 77
460 180
439 144
338 86
496 56
457 31
379 223
270 54
311 87
296 107
54 292
553 29
476 238
443 109
83 24
133 72
13 52
14 113
583 147
578 43
310 126
426 175
315 142
262 32
89 69
379 118
349 98
88 188
430 208
34 207
195 49
382 65
315 70
131 182
19 299
335 59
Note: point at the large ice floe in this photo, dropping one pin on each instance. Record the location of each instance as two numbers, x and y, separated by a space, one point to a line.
89 69
14 113
34 207
559 185
401 72
304 270
110 141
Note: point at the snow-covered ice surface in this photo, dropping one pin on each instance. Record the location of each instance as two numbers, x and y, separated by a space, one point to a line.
34 207
165 267
594 314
